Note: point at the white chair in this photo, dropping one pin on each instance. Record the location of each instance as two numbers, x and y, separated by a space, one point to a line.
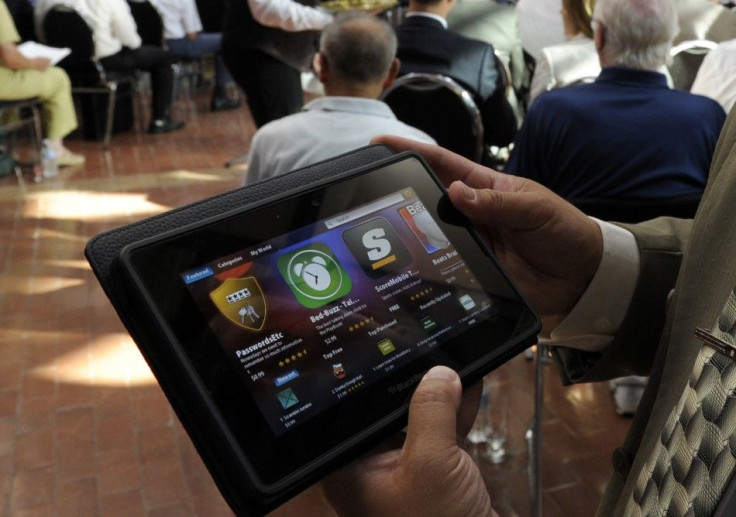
686 58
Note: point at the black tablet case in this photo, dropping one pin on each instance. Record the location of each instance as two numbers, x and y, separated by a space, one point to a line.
102 252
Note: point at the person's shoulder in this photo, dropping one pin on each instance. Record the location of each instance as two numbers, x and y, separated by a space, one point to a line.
469 43
694 101
277 130
564 98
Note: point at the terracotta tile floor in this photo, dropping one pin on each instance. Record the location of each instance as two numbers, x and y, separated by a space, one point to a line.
84 428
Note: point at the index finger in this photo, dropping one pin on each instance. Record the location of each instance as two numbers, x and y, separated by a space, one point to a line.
449 166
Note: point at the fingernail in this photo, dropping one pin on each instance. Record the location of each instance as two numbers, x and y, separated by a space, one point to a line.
441 372
468 193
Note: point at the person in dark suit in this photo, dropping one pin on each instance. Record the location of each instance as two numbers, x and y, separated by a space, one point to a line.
426 46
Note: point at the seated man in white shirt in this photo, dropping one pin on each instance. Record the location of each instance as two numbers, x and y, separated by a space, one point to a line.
356 62
184 37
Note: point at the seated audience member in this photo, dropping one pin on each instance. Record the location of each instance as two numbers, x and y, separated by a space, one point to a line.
426 46
266 45
627 135
569 62
665 290
22 77
184 37
118 48
493 22
356 61
716 77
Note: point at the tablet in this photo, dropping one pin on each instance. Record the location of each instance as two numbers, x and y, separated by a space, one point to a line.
304 322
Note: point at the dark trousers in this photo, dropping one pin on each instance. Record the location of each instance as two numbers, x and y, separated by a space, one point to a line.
158 63
273 89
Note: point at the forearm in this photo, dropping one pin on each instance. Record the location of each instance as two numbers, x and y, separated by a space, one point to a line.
190 18
12 58
123 25
288 15
629 348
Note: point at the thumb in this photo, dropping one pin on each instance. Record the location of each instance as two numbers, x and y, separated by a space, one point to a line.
433 413
497 208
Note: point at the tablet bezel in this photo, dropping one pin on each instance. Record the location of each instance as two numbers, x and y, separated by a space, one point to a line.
275 463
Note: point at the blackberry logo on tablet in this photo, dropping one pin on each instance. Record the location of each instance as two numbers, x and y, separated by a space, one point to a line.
377 247
241 301
314 275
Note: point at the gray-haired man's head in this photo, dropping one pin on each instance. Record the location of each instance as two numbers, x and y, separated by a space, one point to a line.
357 50
634 33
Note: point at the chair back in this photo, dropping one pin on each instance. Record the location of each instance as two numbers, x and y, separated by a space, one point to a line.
65 27
686 58
148 21
505 79
637 210
440 107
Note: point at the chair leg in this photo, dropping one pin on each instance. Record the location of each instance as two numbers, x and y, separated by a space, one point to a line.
37 132
110 115
534 436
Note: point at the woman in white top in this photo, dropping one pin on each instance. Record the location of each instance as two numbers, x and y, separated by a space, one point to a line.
572 61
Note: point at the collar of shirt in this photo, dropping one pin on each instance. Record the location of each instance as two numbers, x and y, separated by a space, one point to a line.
429 15
350 105
624 74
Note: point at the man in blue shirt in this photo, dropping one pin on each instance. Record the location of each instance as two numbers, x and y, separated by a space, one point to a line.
627 135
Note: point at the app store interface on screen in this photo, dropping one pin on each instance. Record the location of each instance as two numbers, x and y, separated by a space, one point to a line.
320 313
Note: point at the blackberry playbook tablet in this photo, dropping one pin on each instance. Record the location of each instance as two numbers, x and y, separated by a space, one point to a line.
304 322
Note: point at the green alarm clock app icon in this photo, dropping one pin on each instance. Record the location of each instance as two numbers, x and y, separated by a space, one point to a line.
314 275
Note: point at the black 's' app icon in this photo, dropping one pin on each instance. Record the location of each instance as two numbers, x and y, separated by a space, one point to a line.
377 248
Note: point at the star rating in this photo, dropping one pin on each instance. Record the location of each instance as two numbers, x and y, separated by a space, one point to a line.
421 294
288 360
360 324
355 386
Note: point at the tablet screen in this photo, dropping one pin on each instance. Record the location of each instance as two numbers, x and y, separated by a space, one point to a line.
315 315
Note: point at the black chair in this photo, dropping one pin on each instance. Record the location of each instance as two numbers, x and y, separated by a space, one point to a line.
686 59
637 210
440 107
17 115
148 22
64 27
525 87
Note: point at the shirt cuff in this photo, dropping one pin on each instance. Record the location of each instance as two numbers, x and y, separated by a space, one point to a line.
594 320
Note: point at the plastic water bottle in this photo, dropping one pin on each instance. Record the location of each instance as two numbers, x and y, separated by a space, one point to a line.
48 160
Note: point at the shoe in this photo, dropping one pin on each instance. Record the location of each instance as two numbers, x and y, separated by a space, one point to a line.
627 393
224 103
69 159
165 125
